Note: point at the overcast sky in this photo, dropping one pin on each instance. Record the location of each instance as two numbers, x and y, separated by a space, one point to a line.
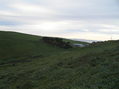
82 19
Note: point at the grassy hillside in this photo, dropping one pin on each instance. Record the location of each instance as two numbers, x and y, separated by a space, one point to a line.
14 44
92 67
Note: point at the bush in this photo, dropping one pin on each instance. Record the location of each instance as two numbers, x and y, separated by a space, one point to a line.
57 42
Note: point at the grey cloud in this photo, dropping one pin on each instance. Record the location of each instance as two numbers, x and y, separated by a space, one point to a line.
68 16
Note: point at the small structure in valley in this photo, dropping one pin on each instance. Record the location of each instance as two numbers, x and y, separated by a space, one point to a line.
79 45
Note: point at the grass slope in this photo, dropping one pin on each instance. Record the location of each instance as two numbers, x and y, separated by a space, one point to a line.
92 67
15 45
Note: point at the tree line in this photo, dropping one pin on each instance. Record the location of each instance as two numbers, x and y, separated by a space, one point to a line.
57 42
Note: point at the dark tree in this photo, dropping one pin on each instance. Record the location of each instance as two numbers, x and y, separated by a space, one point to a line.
57 42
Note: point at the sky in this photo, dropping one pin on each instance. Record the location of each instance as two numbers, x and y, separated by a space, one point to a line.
77 19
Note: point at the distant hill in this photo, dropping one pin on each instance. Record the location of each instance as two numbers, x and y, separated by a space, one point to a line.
84 40
26 62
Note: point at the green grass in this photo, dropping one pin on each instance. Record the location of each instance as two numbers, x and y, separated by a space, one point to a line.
14 44
36 65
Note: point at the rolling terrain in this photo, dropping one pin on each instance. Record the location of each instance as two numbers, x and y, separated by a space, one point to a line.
26 62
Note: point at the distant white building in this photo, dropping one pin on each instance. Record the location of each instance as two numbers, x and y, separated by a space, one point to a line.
79 45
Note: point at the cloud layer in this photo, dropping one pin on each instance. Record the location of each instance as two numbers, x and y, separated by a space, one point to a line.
84 19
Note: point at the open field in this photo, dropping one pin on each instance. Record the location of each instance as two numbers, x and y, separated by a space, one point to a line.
26 62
